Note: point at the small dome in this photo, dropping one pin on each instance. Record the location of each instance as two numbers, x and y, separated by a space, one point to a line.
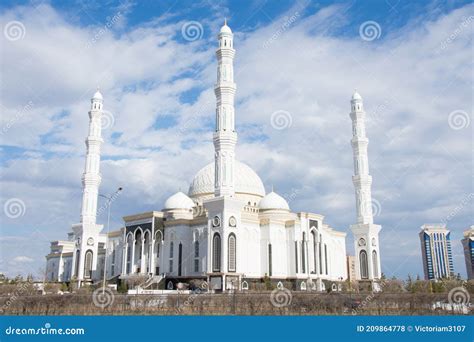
273 201
179 201
226 29
97 95
356 96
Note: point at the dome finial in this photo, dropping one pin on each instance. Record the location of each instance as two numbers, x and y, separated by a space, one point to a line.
356 95
225 21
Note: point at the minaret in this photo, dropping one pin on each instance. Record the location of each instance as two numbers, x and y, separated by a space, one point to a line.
362 180
86 233
225 136
91 177
365 231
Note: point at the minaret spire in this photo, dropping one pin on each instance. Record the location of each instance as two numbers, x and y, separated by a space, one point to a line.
225 136
366 233
91 177
362 180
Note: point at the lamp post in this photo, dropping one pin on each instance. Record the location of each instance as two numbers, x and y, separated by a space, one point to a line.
109 199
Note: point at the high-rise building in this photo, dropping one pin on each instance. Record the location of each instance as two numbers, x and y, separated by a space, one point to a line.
468 244
436 251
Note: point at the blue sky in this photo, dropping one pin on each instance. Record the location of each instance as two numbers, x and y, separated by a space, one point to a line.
303 58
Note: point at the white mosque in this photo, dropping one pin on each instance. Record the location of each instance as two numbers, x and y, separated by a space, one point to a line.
226 230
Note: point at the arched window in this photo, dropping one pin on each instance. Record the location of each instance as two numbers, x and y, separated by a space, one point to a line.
303 254
180 258
232 246
78 257
196 256
112 268
326 258
216 253
375 263
315 252
245 285
129 253
88 265
171 249
364 269
320 254
270 257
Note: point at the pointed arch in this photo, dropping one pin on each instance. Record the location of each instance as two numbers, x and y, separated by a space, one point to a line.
232 252
88 264
375 263
364 267
216 253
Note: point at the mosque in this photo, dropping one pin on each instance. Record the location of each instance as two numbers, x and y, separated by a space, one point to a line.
226 230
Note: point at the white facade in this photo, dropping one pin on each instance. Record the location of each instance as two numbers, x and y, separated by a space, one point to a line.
226 230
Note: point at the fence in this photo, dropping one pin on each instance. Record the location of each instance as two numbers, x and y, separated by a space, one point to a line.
297 303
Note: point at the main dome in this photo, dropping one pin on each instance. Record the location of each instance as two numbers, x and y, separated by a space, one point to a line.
247 183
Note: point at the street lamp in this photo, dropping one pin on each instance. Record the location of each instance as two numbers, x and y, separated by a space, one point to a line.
109 199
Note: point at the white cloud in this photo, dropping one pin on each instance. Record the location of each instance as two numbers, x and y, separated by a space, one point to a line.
22 259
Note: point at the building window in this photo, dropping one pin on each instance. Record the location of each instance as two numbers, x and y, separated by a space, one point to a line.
88 265
196 256
196 249
326 258
364 269
374 261
270 265
296 256
320 254
78 257
315 252
216 253
180 258
303 258
232 252
171 266
112 268
171 249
